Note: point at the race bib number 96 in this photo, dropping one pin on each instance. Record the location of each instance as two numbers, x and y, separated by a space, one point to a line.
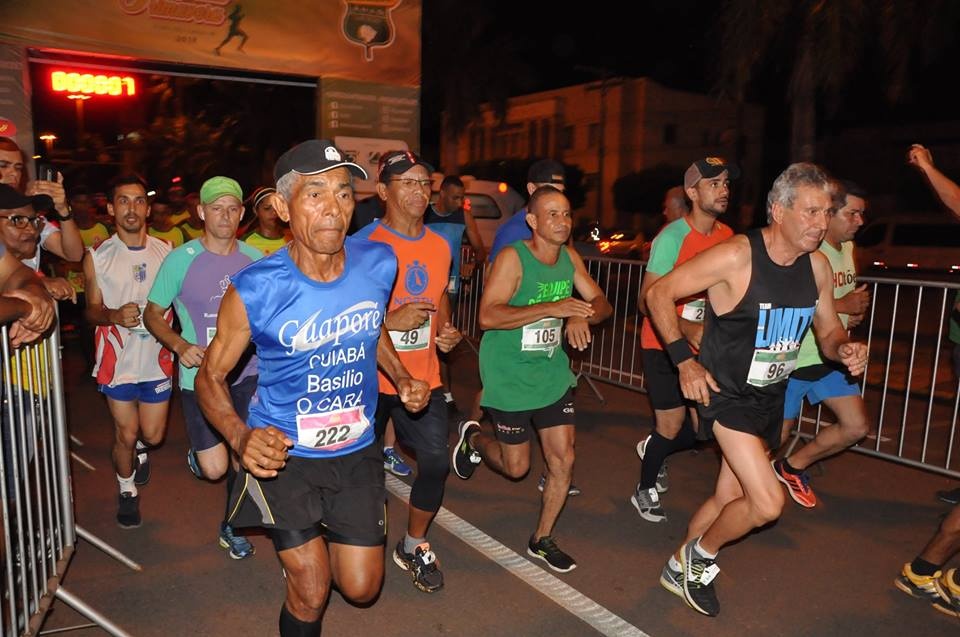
771 366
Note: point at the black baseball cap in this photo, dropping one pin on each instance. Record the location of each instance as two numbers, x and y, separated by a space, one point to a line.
12 199
397 162
545 171
707 168
312 157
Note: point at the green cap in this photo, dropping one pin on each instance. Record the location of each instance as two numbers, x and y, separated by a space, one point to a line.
216 187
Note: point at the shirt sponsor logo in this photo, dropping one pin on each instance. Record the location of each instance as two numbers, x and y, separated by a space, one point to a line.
306 336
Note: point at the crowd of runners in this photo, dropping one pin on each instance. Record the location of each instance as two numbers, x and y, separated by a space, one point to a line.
308 355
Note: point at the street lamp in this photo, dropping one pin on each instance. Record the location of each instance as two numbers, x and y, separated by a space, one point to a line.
48 139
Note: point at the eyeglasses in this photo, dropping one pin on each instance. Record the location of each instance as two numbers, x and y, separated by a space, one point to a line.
22 221
413 183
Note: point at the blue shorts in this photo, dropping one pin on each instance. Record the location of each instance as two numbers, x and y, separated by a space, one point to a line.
833 385
151 391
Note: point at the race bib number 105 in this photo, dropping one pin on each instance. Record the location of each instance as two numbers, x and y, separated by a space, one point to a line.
541 336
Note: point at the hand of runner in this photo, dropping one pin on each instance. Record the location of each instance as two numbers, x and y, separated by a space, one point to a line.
570 307
264 451
855 302
414 394
191 355
408 316
578 333
448 337
854 356
854 320
696 382
60 289
127 315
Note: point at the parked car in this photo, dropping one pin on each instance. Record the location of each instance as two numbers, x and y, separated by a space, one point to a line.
491 202
909 242
622 244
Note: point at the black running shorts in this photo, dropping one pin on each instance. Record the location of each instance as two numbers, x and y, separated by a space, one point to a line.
345 496
425 431
513 427
661 380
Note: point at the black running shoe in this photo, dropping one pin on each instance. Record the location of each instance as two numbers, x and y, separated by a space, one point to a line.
141 474
465 458
546 549
699 573
422 566
128 511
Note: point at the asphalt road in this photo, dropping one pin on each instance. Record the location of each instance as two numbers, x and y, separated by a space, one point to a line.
827 571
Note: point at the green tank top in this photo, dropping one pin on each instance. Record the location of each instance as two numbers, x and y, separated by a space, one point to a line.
526 367
844 282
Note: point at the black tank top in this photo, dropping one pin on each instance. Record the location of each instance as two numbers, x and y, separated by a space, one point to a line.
752 349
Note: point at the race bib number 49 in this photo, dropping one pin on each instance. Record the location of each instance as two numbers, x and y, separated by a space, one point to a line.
415 339
541 336
771 366
332 430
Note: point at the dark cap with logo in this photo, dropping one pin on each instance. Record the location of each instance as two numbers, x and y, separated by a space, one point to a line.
312 157
708 168
11 199
545 171
397 162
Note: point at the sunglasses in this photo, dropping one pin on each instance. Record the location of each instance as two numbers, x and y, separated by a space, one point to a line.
22 221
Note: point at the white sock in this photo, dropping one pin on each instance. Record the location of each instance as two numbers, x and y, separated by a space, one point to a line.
674 564
410 544
141 452
703 552
447 396
127 485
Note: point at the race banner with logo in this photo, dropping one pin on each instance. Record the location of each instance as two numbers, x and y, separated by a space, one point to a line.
376 41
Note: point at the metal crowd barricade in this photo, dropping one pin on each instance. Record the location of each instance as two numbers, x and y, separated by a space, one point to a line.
911 392
38 526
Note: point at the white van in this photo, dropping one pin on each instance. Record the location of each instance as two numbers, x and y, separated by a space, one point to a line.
491 202
909 242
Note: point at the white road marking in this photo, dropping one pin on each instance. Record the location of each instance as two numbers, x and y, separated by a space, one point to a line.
567 597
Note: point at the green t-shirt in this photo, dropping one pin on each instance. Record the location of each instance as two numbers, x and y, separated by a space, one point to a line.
526 367
844 282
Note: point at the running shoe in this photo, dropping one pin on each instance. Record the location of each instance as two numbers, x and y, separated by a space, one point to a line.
393 463
647 504
672 580
128 511
948 586
546 549
422 566
141 474
238 546
465 458
573 490
662 484
193 463
698 575
798 485
919 586
950 497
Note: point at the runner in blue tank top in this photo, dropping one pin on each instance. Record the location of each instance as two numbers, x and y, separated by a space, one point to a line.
315 311
765 290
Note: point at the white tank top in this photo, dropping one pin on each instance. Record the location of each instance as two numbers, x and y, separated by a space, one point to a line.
125 275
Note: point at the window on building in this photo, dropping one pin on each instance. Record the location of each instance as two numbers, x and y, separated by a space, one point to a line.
593 136
531 138
670 134
566 138
545 150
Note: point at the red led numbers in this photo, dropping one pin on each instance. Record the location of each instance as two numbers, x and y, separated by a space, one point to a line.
89 84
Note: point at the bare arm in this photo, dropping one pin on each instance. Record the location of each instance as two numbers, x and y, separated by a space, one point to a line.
96 312
588 290
414 394
67 243
497 314
947 190
190 354
473 236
